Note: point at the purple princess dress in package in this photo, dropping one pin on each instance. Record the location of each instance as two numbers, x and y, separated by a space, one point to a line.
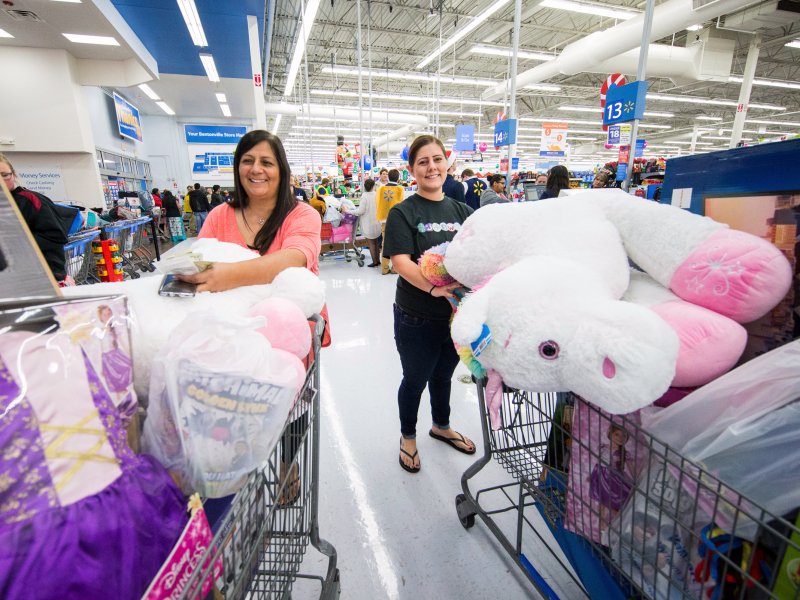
81 515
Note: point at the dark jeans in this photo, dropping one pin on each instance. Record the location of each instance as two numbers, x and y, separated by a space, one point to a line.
428 358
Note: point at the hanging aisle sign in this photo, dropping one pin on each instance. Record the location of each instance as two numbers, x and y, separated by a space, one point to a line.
625 103
465 138
619 135
554 139
505 132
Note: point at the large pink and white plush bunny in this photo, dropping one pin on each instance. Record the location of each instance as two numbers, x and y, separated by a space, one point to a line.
554 293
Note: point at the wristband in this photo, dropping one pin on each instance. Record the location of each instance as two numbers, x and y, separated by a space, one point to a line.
430 292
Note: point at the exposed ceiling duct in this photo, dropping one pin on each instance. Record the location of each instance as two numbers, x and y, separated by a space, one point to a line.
775 13
382 141
587 54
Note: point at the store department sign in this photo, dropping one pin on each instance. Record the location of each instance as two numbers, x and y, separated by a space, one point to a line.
45 180
465 138
554 139
214 134
128 121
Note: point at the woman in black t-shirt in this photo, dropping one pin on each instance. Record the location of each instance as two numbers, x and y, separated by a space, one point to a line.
422 311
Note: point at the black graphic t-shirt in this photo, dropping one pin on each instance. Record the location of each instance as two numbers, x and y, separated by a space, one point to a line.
412 227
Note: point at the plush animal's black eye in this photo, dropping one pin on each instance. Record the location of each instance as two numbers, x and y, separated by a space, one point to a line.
548 350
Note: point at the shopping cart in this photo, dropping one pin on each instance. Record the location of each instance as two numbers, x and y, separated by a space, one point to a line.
679 534
263 536
78 252
339 242
131 238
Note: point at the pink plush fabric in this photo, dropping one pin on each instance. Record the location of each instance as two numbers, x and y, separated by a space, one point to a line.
710 344
735 274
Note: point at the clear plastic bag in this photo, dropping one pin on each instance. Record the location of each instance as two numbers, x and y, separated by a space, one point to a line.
744 429
219 399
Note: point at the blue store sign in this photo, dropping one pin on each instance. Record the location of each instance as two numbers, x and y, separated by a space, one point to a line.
128 121
214 134
625 103
505 132
465 138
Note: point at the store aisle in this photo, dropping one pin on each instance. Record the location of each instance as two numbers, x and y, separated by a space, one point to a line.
397 534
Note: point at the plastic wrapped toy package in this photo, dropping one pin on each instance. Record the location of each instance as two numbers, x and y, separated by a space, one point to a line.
220 395
81 515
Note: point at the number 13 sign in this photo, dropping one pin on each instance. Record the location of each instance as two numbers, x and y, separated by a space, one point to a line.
625 103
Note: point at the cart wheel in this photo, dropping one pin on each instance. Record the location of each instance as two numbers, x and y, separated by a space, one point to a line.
360 260
467 520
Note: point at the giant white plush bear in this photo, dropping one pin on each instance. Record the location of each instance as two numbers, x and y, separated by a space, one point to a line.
154 317
554 306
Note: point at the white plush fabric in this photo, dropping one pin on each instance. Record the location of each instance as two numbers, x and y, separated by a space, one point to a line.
153 317
558 270
540 300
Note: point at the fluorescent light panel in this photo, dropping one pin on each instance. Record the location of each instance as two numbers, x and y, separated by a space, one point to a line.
210 66
592 109
543 87
193 24
463 32
506 52
768 82
794 44
5 34
696 100
404 98
226 110
381 75
97 40
148 91
221 97
277 124
304 30
694 27
165 107
705 118
589 9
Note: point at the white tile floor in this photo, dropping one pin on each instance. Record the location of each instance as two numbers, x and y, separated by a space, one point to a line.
397 534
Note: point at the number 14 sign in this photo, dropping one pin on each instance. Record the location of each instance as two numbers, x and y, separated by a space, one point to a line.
625 103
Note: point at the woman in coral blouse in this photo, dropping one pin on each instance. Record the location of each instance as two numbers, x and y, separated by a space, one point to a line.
264 216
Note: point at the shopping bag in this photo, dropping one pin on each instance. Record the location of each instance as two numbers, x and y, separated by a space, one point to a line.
220 396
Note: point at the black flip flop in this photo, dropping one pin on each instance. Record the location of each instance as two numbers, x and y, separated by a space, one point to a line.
452 441
411 456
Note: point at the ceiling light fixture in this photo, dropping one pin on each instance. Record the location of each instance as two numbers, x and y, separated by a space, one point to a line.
148 91
463 32
592 109
506 52
779 123
277 124
611 12
768 83
5 34
210 67
193 24
165 107
544 87
98 40
705 118
649 126
694 27
405 98
304 32
696 100
794 44
221 97
378 75
226 110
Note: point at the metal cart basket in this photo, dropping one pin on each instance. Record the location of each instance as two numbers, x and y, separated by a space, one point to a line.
673 531
263 536
340 242
78 252
130 236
